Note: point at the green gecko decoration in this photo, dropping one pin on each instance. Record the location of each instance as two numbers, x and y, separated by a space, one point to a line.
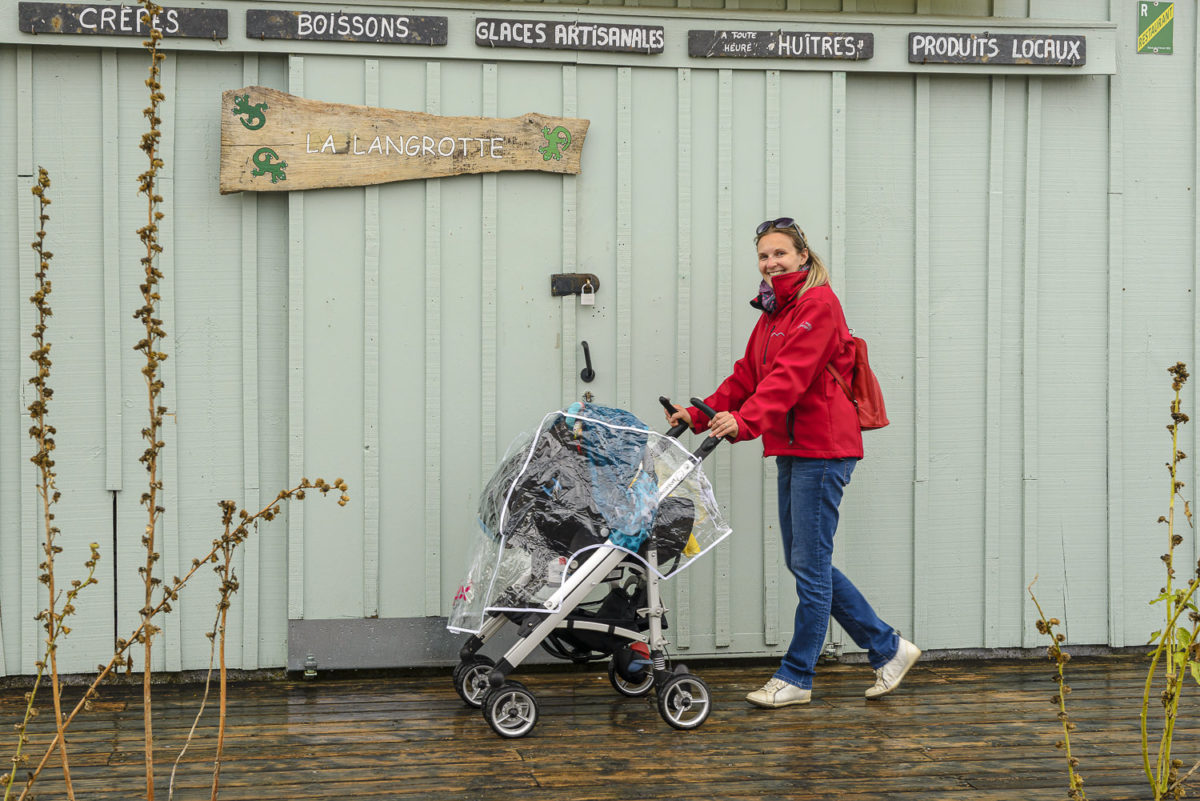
553 148
252 114
266 162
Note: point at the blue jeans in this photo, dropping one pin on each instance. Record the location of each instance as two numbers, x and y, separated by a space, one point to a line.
809 493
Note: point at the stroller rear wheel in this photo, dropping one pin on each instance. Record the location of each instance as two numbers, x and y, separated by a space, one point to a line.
471 680
683 701
631 689
510 709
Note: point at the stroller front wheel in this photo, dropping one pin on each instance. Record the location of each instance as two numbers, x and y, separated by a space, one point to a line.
471 680
630 689
510 710
683 701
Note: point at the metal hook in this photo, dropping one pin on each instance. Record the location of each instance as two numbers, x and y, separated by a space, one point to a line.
587 373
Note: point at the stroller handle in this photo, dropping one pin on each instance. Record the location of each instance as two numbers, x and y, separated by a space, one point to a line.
710 443
676 430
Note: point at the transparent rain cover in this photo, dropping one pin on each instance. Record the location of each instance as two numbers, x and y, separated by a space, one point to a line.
588 476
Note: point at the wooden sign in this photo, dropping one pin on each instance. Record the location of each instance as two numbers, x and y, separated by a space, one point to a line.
109 20
275 142
610 37
781 44
339 26
997 48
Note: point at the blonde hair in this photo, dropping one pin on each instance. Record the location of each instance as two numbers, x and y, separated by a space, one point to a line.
818 273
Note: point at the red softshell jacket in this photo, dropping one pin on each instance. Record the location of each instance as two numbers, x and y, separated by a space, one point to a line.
781 391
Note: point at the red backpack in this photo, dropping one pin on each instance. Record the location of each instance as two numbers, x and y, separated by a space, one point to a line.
863 390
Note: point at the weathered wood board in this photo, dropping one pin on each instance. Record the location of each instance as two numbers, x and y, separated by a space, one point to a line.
272 141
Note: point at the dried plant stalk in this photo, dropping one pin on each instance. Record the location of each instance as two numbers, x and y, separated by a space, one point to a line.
44 433
1060 658
149 346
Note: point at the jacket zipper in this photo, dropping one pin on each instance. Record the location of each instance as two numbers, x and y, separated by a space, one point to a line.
791 416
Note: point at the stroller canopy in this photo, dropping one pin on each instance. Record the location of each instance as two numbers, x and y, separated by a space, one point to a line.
586 477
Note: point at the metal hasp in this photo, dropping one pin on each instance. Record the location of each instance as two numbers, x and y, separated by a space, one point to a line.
572 283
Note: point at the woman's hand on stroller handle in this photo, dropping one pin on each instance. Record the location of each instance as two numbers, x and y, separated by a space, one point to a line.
677 416
681 421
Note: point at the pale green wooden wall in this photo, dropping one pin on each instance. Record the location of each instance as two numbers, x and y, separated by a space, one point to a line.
1018 248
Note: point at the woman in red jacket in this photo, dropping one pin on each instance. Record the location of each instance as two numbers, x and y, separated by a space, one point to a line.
781 391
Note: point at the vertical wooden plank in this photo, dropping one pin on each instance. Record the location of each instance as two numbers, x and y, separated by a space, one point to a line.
724 315
835 635
849 7
26 224
837 189
172 552
1113 87
570 211
1116 365
489 328
251 585
433 364
296 371
683 309
922 576
624 301
111 255
1010 8
993 435
1029 357
770 482
371 368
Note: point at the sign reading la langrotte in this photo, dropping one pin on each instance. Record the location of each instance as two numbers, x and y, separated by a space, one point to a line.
610 37
1031 49
781 44
275 142
122 20
339 26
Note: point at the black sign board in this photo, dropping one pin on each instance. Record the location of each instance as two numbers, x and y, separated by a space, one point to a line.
781 44
997 48
109 20
549 35
339 26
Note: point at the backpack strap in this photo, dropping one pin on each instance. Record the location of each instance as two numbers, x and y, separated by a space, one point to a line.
841 383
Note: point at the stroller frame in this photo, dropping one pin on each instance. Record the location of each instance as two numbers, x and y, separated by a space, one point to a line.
508 706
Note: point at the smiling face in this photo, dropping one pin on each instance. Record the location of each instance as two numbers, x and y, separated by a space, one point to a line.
777 255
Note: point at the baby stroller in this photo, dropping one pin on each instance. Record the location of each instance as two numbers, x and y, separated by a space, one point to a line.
580 522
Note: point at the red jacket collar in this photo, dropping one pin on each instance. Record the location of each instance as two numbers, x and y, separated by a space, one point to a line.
787 287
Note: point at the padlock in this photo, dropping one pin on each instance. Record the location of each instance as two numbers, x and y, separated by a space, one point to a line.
587 294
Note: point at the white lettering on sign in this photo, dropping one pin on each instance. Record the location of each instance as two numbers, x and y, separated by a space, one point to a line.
415 145
965 46
817 45
510 33
126 19
356 25
1062 50
1045 49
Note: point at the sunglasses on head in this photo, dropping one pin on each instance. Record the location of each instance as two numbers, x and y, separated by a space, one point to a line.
781 223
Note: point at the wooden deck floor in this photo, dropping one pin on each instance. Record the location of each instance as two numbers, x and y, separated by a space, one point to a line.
956 730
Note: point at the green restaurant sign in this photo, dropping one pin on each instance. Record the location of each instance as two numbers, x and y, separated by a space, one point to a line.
1156 27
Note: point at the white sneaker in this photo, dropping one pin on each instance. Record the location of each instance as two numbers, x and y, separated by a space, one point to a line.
888 677
777 692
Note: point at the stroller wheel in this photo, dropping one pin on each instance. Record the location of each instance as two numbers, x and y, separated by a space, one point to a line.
632 689
510 710
471 680
683 701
